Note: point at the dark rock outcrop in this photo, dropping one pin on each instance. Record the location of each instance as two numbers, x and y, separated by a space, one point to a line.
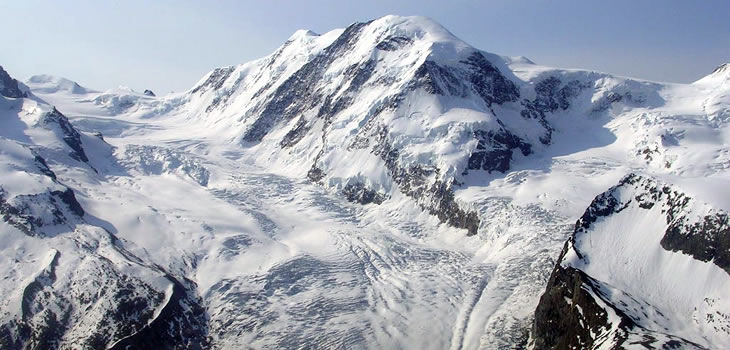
558 324
476 75
215 80
360 193
723 68
9 86
707 240
438 80
57 120
43 166
149 92
298 93
394 43
182 324
573 311
125 303
494 150
435 197
31 213
488 81
551 95
573 314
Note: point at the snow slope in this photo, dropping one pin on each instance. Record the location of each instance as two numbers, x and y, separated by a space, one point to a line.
380 186
646 266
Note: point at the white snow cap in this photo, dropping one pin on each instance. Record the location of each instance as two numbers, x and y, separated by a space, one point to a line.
49 84
302 34
719 75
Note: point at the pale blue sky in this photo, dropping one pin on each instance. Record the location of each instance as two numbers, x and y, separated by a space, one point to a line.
169 45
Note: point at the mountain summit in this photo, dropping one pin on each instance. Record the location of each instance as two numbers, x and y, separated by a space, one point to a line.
385 185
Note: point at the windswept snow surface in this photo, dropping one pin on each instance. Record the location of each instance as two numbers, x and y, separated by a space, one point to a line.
202 186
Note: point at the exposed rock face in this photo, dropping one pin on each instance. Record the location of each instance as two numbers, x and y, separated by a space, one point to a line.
580 311
551 94
558 325
96 301
414 180
214 81
181 324
706 240
574 314
298 93
9 86
494 150
489 82
56 308
34 213
59 122
393 43
475 74
362 194
19 212
149 92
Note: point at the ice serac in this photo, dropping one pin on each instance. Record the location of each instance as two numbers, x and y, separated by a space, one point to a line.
647 265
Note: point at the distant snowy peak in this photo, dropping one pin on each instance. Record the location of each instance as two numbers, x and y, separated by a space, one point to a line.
416 28
518 60
50 84
302 34
115 101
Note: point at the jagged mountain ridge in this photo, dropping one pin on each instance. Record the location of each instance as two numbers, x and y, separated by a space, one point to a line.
391 112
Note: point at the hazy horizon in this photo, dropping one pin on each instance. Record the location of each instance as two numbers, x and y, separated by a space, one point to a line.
169 45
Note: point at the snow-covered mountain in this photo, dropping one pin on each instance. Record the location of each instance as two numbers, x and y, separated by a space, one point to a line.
381 186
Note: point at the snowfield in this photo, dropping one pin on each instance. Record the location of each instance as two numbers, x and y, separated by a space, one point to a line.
381 186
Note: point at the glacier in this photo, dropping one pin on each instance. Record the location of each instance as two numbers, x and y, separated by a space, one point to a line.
385 185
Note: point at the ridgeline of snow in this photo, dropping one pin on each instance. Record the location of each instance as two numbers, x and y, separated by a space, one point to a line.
49 84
